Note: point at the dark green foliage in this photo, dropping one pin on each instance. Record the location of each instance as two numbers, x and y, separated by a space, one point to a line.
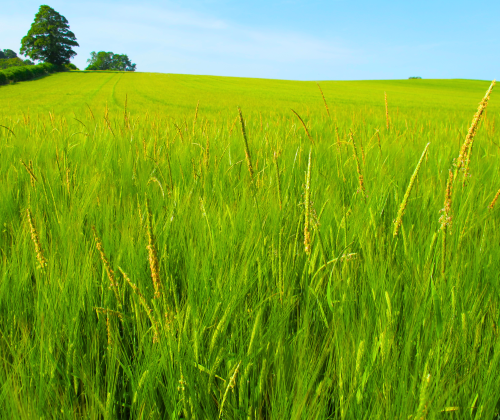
11 62
22 73
109 61
8 54
49 38
71 66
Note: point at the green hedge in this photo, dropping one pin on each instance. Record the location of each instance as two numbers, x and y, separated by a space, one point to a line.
19 74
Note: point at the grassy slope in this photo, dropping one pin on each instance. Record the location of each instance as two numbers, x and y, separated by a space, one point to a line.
382 334
67 93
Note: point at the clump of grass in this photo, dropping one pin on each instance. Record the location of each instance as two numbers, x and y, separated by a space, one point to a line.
260 329
404 203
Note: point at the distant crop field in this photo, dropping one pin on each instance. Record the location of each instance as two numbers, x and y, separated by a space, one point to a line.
179 246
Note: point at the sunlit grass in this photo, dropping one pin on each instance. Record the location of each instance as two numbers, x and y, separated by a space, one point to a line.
240 320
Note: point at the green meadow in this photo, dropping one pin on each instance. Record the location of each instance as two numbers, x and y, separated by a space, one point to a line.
164 256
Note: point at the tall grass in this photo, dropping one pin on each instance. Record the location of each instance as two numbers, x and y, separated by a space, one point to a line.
145 277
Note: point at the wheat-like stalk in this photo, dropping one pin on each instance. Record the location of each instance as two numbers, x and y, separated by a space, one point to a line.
179 131
307 205
464 155
152 253
404 203
378 140
36 241
358 166
125 116
109 271
30 171
338 137
68 180
324 100
32 179
247 149
492 204
446 218
387 118
304 125
196 116
362 150
424 394
278 178
143 303
230 385
108 330
207 154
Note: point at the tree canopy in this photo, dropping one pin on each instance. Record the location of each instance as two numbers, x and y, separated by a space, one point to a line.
7 54
49 38
109 61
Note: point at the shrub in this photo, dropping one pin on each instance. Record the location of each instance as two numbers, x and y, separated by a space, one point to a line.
71 66
6 63
22 73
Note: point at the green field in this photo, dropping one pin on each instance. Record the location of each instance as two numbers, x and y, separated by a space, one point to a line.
155 264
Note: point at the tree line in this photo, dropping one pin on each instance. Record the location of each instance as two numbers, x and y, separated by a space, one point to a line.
50 41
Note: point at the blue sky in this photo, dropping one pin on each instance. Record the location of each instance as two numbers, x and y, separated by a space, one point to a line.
284 39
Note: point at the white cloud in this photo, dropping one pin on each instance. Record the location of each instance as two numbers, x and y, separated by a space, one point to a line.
184 41
172 39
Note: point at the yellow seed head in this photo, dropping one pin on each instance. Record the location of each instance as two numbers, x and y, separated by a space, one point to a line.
464 155
36 241
152 254
109 271
492 204
307 204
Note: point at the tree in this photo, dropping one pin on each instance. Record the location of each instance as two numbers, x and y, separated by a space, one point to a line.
109 61
9 54
49 38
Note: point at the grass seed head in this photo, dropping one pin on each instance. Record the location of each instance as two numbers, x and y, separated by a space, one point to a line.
464 155
307 205
152 253
42 262
247 149
492 204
